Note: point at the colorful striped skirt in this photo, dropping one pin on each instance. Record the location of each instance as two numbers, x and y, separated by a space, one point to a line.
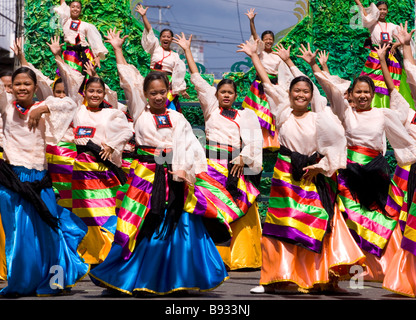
371 227
60 160
401 273
296 211
94 188
163 261
256 100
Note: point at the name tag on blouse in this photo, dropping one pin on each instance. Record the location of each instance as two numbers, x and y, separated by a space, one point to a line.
84 132
229 113
162 121
75 25
21 109
385 37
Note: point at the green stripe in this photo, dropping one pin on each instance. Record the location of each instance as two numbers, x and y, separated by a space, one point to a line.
215 148
68 145
286 202
134 207
375 216
95 194
358 157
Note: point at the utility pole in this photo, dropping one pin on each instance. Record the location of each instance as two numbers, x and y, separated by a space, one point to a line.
160 23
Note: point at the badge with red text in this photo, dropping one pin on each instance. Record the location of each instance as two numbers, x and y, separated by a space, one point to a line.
162 121
84 132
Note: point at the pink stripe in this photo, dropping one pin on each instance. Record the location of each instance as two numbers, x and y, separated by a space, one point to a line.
219 203
283 166
299 216
94 203
369 224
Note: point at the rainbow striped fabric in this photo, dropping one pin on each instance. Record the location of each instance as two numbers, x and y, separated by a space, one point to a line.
60 160
372 68
295 213
206 198
409 234
400 178
370 229
74 61
257 101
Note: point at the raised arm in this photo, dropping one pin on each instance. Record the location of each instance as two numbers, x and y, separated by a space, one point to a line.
251 15
142 11
360 5
381 52
113 38
186 46
250 49
405 38
18 51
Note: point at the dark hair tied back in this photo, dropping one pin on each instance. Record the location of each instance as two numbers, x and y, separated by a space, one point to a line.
26 70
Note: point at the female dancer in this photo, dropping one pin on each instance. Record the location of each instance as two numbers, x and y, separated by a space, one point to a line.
164 59
256 100
305 240
158 248
239 132
83 40
41 237
401 273
366 194
100 134
374 18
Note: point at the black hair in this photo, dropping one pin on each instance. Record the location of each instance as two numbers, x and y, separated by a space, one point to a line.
26 70
266 33
381 3
79 1
167 30
59 80
6 73
227 81
300 79
94 80
365 79
155 75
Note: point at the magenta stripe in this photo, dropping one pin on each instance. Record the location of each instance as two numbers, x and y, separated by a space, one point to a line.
60 168
95 221
94 203
401 173
91 175
301 192
292 235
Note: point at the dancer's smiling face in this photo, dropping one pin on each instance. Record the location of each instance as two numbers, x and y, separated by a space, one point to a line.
23 88
75 10
384 11
166 39
362 95
300 96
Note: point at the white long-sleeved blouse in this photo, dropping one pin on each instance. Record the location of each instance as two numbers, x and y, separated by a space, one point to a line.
316 131
170 60
188 154
24 147
243 132
371 128
88 34
109 125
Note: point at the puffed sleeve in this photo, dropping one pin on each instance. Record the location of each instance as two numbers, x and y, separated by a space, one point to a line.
206 94
178 77
4 100
279 102
335 88
403 145
411 75
59 118
131 81
118 134
373 13
44 84
149 41
63 12
188 153
318 102
96 42
400 105
252 141
72 80
331 142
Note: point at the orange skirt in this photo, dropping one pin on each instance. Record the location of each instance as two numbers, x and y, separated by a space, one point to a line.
289 263
401 274
269 141
377 267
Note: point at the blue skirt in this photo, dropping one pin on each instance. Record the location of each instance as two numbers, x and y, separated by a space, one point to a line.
187 259
40 261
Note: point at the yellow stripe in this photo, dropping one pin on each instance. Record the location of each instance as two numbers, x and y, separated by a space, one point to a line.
90 166
311 232
94 212
287 177
191 200
144 173
260 114
410 233
367 234
58 159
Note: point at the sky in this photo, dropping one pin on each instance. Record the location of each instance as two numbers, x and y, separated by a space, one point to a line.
220 24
